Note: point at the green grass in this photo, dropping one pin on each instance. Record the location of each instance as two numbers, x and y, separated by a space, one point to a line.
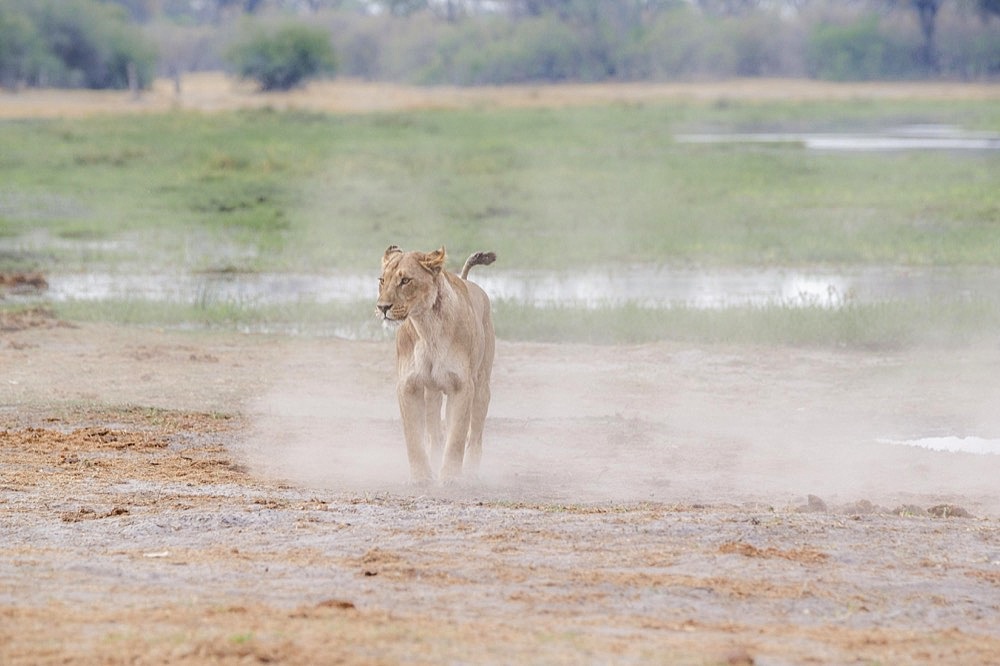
605 185
355 320
543 187
890 325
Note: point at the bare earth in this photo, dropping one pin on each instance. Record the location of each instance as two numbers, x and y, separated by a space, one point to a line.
213 91
172 497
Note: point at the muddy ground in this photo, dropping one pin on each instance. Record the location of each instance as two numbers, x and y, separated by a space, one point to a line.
196 497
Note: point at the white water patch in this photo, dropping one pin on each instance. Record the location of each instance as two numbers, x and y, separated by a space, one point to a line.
666 287
249 289
910 137
642 285
977 445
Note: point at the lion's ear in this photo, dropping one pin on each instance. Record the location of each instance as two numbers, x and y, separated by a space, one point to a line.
389 251
434 261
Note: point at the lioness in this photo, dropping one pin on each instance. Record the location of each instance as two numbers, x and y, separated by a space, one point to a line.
444 346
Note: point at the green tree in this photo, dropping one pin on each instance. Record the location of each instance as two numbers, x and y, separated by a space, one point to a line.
856 51
71 43
283 57
21 49
927 13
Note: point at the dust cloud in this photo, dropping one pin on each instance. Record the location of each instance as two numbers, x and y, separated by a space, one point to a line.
663 422
327 420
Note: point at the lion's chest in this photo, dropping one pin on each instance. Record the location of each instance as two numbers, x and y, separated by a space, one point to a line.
434 368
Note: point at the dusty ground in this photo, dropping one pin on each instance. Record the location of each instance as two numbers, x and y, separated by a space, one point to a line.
212 91
170 497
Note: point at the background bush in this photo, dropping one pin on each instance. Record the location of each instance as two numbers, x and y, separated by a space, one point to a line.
71 43
877 39
497 52
465 42
283 57
859 49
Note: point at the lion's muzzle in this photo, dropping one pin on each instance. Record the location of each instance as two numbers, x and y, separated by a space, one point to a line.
390 311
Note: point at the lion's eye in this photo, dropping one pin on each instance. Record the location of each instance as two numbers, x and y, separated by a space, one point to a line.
405 281
381 282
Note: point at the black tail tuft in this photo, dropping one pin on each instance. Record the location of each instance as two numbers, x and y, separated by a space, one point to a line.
478 259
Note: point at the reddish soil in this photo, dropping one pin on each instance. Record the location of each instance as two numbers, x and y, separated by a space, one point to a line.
170 497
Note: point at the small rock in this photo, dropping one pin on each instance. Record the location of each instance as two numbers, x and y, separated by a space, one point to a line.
861 508
814 504
85 513
739 657
338 604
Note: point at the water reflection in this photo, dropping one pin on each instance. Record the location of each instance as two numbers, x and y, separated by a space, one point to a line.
911 137
640 285
977 445
659 287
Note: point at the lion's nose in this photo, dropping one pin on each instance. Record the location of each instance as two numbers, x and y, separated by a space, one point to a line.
384 309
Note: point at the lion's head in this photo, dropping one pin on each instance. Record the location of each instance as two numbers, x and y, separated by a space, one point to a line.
408 285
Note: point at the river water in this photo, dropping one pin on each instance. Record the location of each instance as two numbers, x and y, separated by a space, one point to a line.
909 137
646 286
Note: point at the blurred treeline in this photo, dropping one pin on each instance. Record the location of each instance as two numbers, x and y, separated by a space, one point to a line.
100 43
72 43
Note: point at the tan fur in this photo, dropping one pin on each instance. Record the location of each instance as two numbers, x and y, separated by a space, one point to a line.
444 347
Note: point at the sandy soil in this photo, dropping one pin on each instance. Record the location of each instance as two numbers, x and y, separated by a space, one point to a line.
212 91
178 497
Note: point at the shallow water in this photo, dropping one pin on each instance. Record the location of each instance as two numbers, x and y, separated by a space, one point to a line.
977 445
639 285
911 137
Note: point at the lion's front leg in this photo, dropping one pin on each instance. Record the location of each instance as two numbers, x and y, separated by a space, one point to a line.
411 408
432 423
458 415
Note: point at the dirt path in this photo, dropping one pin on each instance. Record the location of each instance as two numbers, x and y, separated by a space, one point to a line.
172 497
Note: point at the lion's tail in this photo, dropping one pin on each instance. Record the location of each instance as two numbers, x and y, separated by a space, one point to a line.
477 259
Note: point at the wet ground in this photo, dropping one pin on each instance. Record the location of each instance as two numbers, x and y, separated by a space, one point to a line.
893 139
221 498
647 286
